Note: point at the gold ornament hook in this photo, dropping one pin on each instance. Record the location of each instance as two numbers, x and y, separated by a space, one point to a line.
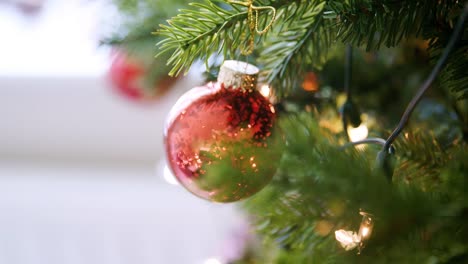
253 22
270 24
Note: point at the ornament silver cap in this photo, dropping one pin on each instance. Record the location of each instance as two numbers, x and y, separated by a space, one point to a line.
238 74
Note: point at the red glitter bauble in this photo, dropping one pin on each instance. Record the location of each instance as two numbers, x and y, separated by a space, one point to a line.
219 142
128 75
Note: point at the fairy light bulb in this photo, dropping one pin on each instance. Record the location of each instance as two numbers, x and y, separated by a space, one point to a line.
367 224
364 232
350 239
343 237
358 133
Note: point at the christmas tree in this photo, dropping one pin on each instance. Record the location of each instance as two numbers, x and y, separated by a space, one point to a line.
396 70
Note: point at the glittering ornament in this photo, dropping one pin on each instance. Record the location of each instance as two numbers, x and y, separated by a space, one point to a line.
129 77
219 139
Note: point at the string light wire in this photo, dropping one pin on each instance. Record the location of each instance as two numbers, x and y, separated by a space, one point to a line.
438 67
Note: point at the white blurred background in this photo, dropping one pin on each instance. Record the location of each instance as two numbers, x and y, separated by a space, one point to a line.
81 168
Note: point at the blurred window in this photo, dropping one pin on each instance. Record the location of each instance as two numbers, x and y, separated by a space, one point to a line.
52 38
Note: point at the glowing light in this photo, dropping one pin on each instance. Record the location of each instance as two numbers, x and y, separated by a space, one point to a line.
348 239
367 224
265 90
364 231
358 133
345 236
212 261
310 82
169 177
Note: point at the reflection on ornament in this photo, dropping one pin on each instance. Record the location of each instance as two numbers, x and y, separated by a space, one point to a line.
219 139
169 177
358 133
350 239
265 90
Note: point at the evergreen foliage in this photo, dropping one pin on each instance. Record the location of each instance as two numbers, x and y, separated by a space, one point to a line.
304 31
139 19
421 215
320 188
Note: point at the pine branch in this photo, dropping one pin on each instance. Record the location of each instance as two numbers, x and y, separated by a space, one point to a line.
453 78
457 32
134 39
375 23
319 189
140 36
300 36
218 28
420 159
302 40
199 33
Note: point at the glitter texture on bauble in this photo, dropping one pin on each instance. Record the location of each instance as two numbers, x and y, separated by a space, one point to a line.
219 138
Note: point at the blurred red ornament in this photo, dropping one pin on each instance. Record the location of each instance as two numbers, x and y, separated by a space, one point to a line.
128 76
219 140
